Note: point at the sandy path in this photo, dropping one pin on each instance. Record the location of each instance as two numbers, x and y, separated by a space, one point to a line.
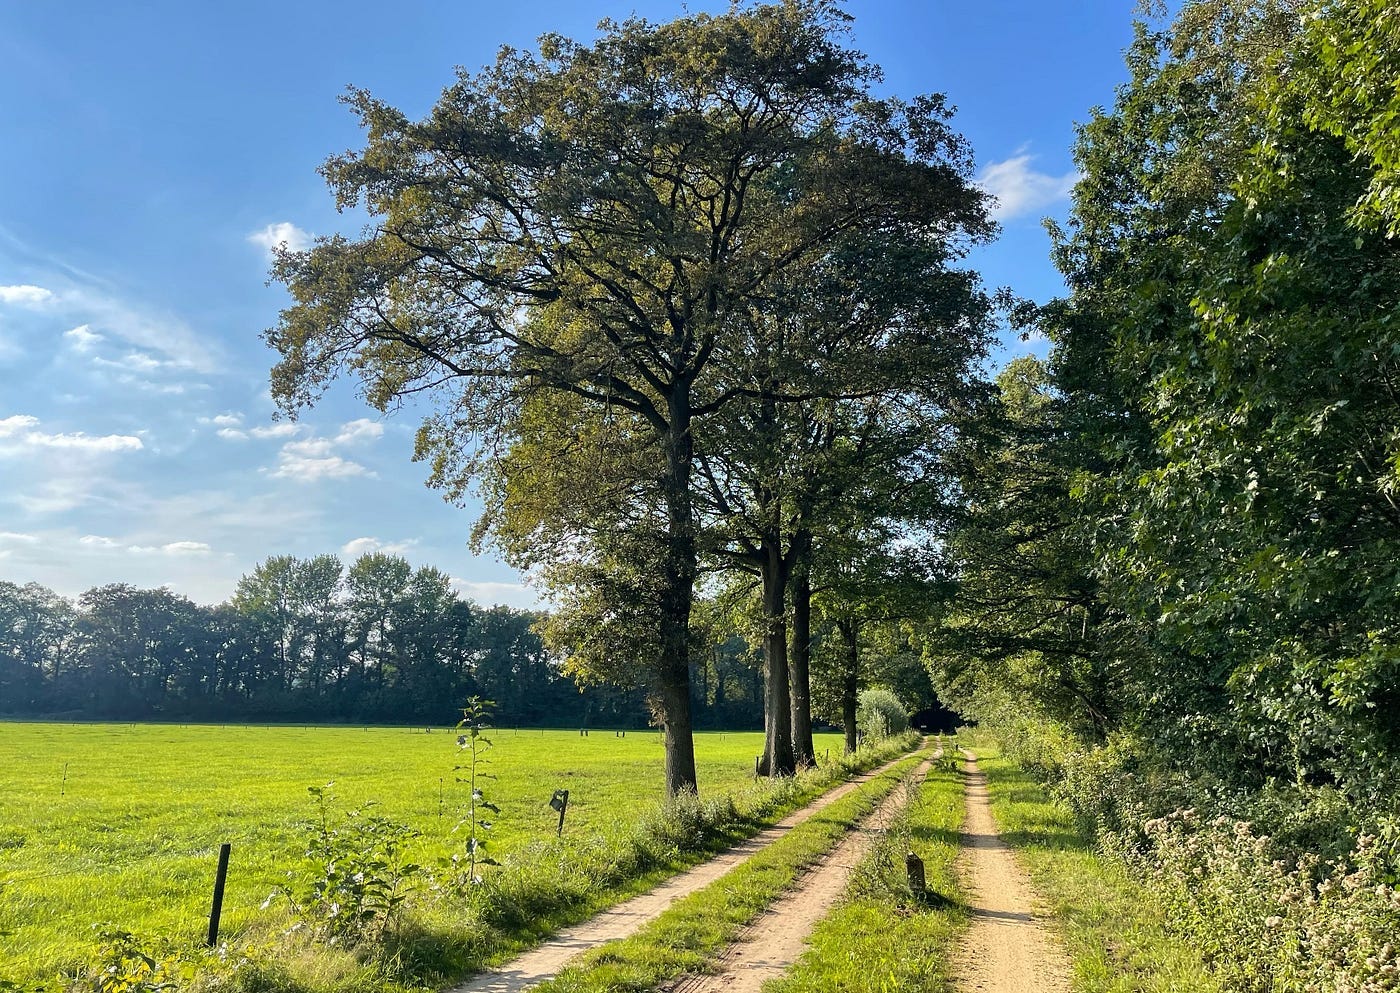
768 946
545 960
1007 949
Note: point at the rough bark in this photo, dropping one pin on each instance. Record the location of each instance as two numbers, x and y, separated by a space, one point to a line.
800 658
678 595
778 759
850 679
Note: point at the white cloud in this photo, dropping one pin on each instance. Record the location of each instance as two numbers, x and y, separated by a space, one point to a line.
16 424
135 362
510 594
86 442
283 430
97 541
356 547
83 338
24 429
362 429
310 447
232 434
283 233
25 295
173 548
15 538
308 469
223 420
1019 189
310 459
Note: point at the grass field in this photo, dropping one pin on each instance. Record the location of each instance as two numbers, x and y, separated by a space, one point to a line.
121 823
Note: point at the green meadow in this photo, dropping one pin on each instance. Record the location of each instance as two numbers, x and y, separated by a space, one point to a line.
121 824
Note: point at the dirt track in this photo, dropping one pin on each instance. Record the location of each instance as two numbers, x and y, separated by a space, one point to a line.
546 960
1006 950
769 946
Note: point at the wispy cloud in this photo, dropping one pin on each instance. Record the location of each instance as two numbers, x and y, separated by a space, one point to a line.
311 459
310 469
511 594
172 548
25 295
1019 189
98 541
356 547
362 429
270 238
82 338
24 430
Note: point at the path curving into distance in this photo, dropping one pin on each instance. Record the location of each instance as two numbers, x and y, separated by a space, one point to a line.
1007 949
769 945
547 959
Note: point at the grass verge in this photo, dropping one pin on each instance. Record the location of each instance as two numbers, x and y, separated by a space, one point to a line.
1112 927
885 939
684 937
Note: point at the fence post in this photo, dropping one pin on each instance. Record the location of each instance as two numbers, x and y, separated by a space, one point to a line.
218 907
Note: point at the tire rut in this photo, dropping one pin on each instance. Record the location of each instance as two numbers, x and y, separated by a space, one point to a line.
768 946
1007 949
545 960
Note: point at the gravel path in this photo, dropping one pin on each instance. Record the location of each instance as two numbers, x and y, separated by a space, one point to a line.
1007 949
769 946
547 959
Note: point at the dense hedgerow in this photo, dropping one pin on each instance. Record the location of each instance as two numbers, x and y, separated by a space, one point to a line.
1284 889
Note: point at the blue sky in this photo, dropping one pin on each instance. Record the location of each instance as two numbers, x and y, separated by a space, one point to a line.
152 153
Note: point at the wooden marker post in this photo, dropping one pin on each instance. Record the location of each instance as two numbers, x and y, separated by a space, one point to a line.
560 802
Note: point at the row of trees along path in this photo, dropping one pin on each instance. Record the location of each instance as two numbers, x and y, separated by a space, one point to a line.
680 302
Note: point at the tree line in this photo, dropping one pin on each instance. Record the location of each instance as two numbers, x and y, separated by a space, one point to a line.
313 640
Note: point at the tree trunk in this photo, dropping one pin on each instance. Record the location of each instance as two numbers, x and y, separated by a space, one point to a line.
678 572
850 679
778 759
800 658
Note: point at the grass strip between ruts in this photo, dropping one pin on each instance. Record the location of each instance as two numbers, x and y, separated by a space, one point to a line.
884 939
684 937
1112 927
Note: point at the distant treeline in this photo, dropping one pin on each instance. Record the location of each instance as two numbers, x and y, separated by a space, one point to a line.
312 640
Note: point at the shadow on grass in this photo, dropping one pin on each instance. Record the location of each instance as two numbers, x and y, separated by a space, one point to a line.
938 835
1060 839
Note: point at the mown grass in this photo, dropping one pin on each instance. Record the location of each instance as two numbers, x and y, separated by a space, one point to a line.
1112 927
885 939
689 933
121 824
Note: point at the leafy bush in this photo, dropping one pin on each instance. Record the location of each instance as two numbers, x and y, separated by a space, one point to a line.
880 714
356 876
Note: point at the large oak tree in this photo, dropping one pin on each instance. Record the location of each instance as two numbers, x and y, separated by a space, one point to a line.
600 222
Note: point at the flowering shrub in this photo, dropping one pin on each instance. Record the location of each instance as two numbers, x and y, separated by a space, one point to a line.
1271 925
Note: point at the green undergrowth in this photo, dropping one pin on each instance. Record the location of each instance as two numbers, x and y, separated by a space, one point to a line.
443 930
1113 927
884 938
683 938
